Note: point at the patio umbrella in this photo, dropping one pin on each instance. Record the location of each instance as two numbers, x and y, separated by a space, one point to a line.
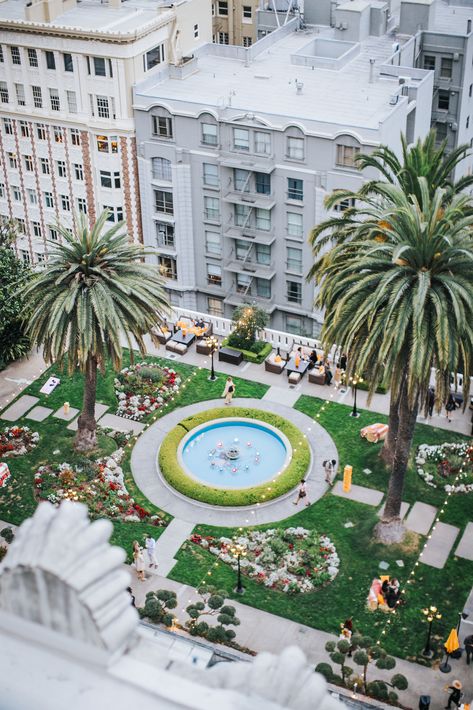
451 645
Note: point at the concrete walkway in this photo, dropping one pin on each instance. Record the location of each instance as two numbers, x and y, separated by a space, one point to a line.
169 543
150 481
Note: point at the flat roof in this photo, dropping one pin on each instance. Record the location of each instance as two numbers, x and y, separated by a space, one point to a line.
451 18
268 84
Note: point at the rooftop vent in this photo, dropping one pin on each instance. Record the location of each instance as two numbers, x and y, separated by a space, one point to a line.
299 86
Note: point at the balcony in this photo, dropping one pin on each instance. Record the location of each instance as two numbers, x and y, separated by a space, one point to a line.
236 299
251 268
247 161
250 199
249 231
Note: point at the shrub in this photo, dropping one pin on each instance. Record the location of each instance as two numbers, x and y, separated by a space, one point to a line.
157 605
324 669
257 353
8 535
212 605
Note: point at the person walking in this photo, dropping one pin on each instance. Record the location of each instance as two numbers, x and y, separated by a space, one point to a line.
450 406
431 401
229 390
456 694
302 493
329 469
150 545
468 642
139 561
133 598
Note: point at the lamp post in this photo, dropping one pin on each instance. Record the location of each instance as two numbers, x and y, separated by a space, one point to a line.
238 551
354 383
212 344
430 613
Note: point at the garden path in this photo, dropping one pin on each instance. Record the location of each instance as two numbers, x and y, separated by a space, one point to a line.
169 543
465 546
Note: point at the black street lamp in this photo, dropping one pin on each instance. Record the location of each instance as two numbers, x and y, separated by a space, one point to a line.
238 551
212 344
354 383
431 613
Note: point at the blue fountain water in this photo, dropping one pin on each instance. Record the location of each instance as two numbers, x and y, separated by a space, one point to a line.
234 454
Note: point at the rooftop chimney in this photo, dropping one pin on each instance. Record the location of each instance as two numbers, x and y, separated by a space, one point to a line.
299 86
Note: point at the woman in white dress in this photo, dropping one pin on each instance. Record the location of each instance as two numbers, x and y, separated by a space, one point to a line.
139 561
229 390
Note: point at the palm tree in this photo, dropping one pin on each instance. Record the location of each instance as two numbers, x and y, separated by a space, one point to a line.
93 291
423 159
398 296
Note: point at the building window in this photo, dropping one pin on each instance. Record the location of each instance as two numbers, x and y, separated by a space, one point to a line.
446 67
24 129
211 178
99 66
470 90
263 219
12 160
346 155
241 139
71 101
241 180
48 199
467 125
44 162
443 100
242 215
294 260
243 283
295 189
263 288
213 243
163 201
75 136
4 98
294 292
25 255
32 57
8 126
78 171
429 62
82 205
16 193
242 249
263 183
15 55
247 41
223 38
214 274
1 54
215 306
57 134
162 126
32 196
109 179
107 144
222 6
54 99
20 94
247 12
37 96
295 148
168 267
29 166
115 214
40 257
209 134
263 254
37 229
50 60
161 169
154 57
61 168
103 109
53 234
211 208
262 143
294 325
68 65
196 31
164 234
65 203
441 131
2 190
41 131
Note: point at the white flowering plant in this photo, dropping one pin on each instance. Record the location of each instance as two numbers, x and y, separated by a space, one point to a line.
143 388
448 466
291 560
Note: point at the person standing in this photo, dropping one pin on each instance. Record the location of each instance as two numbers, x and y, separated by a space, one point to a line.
133 598
229 391
343 362
329 469
468 648
139 561
431 401
456 694
450 406
302 493
150 545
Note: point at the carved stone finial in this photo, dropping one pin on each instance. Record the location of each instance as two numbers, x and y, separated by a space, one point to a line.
62 573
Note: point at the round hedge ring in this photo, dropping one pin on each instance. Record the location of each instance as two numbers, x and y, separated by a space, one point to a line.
175 475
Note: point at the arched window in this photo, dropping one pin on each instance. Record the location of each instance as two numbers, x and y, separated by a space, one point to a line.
347 149
161 168
295 143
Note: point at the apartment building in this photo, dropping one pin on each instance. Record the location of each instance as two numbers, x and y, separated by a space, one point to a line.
234 21
67 134
237 153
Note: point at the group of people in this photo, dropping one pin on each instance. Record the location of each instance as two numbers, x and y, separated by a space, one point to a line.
391 592
450 404
330 470
322 363
139 557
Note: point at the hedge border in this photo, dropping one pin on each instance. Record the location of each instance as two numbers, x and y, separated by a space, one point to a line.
249 356
178 479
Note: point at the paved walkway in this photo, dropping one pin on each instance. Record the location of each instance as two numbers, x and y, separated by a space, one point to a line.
169 543
152 484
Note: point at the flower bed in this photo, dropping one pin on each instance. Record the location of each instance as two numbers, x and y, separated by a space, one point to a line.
440 465
143 388
292 560
99 484
17 440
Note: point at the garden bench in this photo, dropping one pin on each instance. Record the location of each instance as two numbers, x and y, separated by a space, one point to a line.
235 357
294 378
175 347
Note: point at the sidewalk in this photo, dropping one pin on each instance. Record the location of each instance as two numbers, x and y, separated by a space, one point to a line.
261 631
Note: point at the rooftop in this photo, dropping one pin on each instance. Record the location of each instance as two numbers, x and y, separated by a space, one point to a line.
451 18
268 84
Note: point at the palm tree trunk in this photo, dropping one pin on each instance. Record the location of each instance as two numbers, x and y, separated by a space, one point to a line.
387 452
390 529
86 437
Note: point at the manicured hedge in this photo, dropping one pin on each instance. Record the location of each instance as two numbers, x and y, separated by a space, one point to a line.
178 479
248 355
